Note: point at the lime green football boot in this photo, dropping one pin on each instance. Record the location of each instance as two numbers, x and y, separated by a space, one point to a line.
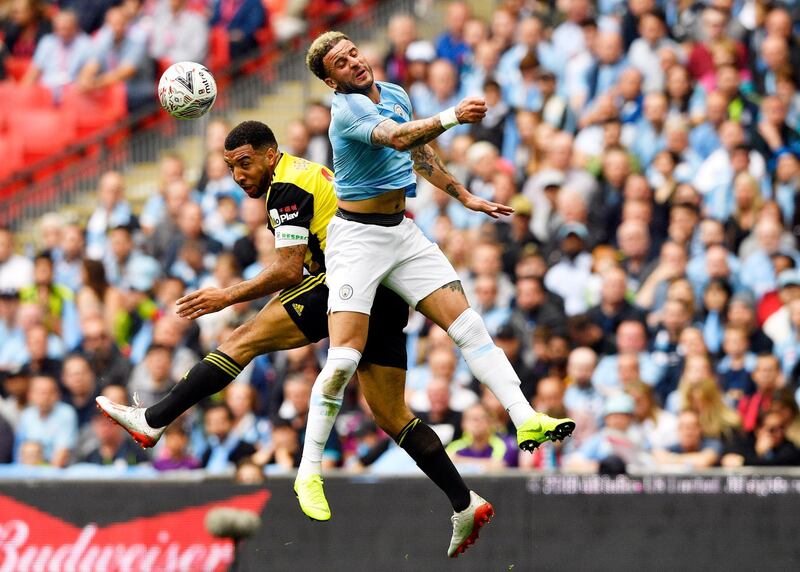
542 428
312 499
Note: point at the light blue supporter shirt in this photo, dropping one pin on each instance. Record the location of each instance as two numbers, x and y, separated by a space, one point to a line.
363 170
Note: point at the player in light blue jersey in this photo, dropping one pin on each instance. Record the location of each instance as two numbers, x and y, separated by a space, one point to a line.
377 148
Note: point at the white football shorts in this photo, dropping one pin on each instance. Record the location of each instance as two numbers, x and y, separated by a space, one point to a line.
360 256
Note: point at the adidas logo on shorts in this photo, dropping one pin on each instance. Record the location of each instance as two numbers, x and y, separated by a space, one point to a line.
298 308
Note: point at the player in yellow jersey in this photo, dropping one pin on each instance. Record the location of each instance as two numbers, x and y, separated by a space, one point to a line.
300 200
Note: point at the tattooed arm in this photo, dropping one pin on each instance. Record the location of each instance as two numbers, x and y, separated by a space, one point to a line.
404 136
428 164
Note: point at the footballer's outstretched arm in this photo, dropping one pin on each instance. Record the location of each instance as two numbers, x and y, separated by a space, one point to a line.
286 271
428 164
404 136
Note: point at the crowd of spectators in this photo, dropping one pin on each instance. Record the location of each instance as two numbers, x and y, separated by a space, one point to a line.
93 44
647 284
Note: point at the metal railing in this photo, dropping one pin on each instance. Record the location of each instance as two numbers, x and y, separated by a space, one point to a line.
145 136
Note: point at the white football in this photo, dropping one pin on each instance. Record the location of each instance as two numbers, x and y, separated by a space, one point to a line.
187 90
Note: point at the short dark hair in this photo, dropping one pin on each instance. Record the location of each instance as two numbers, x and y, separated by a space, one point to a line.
254 133
319 49
222 406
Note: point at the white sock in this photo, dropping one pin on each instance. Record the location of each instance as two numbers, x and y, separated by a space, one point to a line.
326 400
489 364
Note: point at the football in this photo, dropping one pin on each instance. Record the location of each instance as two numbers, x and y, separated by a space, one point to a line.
187 90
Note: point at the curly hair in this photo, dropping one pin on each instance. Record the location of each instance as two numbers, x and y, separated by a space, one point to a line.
254 133
319 49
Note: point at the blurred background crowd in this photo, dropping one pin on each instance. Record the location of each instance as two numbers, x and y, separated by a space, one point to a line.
647 284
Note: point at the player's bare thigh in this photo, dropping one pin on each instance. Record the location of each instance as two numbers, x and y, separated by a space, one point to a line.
348 330
384 389
444 305
270 330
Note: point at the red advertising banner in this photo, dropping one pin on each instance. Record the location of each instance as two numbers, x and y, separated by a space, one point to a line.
34 541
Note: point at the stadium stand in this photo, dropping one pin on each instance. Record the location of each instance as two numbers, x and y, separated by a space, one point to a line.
647 284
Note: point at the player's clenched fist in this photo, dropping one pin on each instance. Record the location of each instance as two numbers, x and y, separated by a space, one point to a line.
470 110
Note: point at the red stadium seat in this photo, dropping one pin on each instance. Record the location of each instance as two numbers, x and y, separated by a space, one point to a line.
95 110
43 132
16 67
15 96
219 52
11 153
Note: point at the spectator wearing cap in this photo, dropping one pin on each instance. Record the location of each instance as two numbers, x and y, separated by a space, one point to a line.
614 440
119 53
554 107
15 383
643 53
519 237
692 450
16 271
242 19
419 54
47 420
450 44
178 34
778 325
570 275
59 56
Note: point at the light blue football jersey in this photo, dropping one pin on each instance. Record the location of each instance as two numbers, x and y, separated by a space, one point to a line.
363 170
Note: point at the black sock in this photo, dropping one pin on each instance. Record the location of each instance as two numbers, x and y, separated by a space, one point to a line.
206 378
424 446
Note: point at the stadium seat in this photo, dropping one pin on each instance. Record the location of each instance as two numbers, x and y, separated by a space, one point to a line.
219 53
43 132
96 110
25 97
11 152
16 67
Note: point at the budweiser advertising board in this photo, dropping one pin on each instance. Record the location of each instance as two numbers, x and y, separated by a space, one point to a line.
32 540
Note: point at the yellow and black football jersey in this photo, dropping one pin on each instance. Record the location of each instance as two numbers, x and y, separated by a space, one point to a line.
300 203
